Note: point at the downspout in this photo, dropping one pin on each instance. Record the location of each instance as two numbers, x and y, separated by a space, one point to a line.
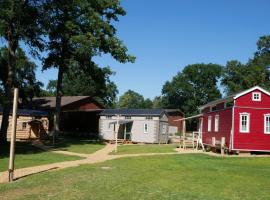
232 130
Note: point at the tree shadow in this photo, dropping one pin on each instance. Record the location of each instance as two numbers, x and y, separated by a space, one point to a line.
20 148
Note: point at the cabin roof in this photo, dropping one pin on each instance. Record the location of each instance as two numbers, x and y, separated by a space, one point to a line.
28 112
234 96
50 102
134 112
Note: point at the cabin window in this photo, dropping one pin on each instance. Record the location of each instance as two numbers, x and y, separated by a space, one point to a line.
145 128
127 117
209 123
164 128
244 122
267 123
24 125
108 117
256 96
216 123
148 117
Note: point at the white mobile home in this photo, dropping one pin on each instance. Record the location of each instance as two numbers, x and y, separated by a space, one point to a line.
136 125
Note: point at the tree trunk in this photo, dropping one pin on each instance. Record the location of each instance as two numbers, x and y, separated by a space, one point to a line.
9 84
58 100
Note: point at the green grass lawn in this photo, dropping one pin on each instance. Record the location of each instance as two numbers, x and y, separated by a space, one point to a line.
147 148
78 145
190 177
28 155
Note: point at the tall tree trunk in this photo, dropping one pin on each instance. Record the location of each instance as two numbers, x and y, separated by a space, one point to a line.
9 84
58 99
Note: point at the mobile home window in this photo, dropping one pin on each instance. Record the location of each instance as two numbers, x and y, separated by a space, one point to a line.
209 123
244 122
256 96
164 128
267 123
216 123
149 117
127 117
145 128
108 117
24 125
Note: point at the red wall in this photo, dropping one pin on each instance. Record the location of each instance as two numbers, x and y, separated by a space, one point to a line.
256 139
178 124
225 124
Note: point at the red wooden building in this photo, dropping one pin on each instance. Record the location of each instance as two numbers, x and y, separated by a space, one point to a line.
242 119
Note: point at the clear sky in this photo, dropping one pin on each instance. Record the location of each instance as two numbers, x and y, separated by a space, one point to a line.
166 35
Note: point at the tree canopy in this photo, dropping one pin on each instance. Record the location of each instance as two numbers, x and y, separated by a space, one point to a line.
196 85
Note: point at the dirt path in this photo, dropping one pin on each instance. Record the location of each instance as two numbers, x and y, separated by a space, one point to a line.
99 156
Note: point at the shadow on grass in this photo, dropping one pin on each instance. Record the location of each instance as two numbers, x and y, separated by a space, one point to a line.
64 142
20 148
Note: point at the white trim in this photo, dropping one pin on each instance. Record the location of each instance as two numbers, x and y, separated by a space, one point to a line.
250 90
259 96
264 124
216 128
247 122
145 128
232 130
209 123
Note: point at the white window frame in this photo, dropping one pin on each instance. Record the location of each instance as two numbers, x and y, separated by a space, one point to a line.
259 96
145 128
216 123
209 125
247 123
265 124
164 129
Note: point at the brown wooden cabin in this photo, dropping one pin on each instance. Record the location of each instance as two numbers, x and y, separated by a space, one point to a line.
31 124
80 114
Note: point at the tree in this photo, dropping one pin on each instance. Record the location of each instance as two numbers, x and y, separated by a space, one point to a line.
79 31
19 21
262 56
194 86
131 99
147 103
157 102
25 78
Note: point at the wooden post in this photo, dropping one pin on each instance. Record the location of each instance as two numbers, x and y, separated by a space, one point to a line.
184 134
116 132
13 137
222 146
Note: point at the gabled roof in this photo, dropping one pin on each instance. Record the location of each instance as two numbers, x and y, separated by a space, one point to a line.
250 90
50 102
134 112
234 96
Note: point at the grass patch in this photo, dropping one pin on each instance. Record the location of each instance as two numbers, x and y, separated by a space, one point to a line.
77 145
27 155
147 148
189 177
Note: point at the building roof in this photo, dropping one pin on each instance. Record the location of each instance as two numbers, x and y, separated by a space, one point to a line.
50 102
234 96
134 112
28 112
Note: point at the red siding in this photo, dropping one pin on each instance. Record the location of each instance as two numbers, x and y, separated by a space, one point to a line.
256 139
85 104
225 124
172 122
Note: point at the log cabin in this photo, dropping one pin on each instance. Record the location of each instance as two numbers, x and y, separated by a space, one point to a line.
31 124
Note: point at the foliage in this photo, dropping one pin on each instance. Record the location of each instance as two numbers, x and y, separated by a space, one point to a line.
131 99
157 102
19 21
79 31
196 85
147 103
25 75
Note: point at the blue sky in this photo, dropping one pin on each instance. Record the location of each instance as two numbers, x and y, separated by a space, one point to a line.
167 35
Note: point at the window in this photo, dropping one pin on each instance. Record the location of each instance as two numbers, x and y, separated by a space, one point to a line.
108 117
148 117
127 117
216 123
145 128
24 125
256 96
209 123
244 122
164 129
267 123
